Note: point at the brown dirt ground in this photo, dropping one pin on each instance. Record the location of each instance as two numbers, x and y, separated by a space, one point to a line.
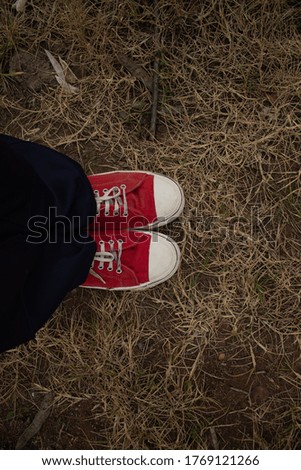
218 347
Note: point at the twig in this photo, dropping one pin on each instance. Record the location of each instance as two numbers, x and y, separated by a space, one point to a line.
155 99
155 90
37 422
214 439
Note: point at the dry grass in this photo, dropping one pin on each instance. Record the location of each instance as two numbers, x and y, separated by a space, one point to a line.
218 346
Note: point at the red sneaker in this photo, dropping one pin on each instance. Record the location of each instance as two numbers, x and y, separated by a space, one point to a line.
132 260
135 199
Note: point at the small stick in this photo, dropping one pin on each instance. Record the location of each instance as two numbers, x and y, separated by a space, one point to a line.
37 422
155 99
155 93
214 439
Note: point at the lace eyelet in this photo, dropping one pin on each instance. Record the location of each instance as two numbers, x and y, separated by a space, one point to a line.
119 271
109 269
123 186
107 213
105 190
111 242
120 240
116 213
125 214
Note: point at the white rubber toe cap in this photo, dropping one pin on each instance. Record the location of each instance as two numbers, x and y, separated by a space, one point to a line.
169 199
164 258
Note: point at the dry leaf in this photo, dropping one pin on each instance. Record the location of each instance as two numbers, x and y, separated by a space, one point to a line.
19 5
62 69
70 76
66 86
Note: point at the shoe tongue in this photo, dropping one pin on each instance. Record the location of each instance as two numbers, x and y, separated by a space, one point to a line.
131 180
131 239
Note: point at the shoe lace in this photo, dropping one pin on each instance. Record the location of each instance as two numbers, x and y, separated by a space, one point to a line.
114 196
110 257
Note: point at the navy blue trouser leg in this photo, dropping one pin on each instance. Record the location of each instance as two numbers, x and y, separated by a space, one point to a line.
37 272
